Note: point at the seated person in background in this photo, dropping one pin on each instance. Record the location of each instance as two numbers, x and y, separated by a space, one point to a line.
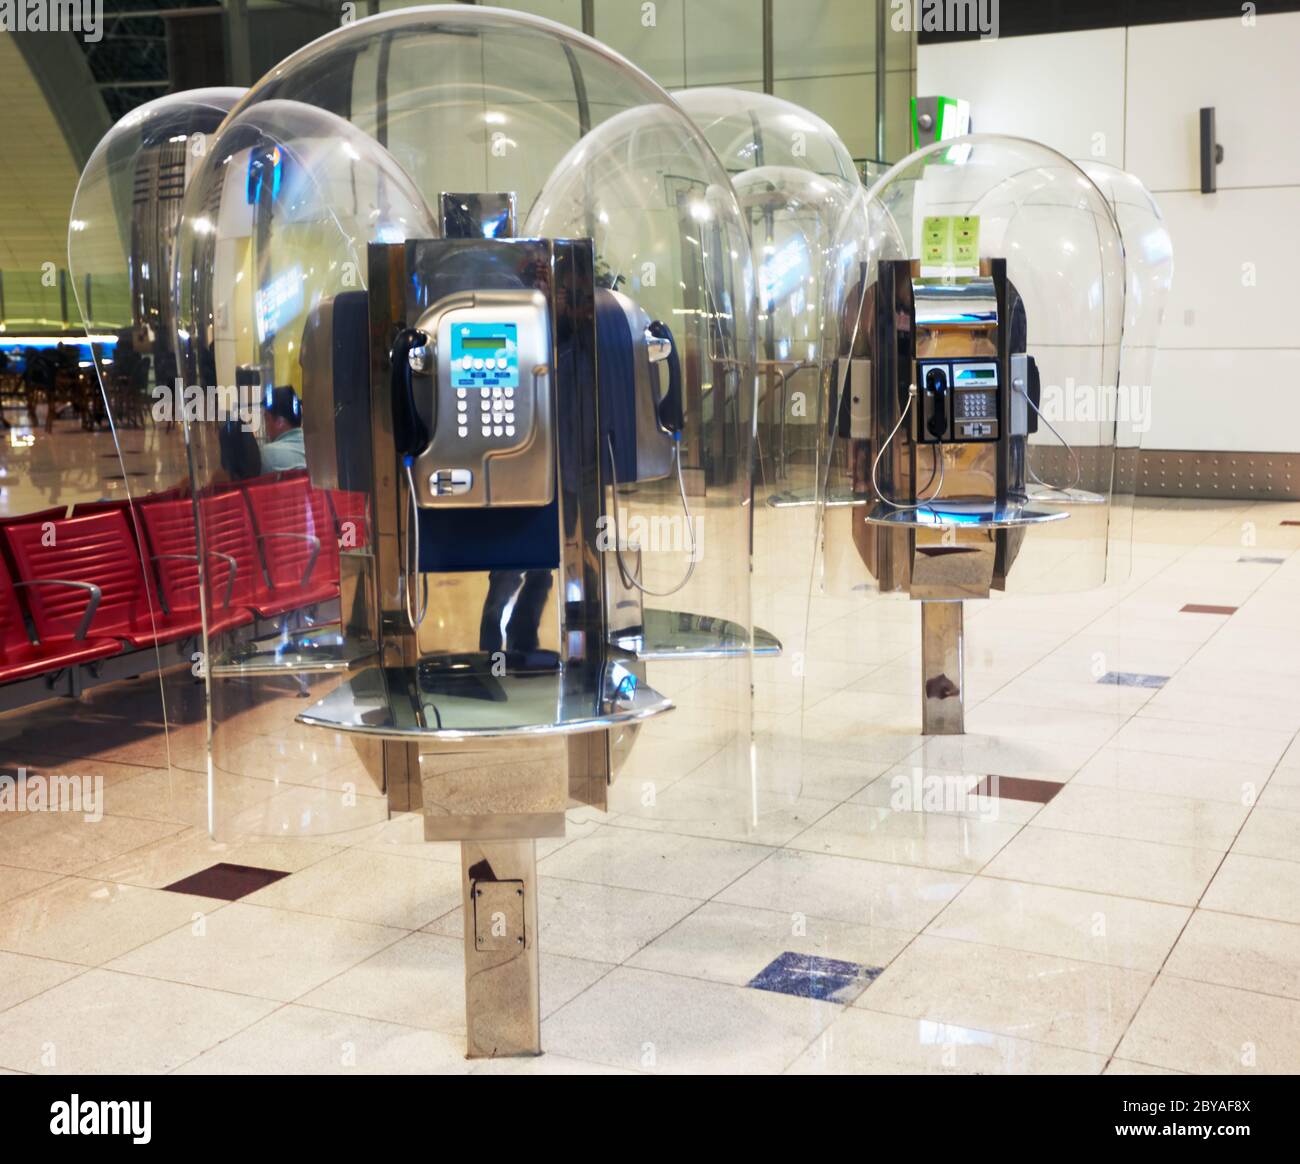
283 448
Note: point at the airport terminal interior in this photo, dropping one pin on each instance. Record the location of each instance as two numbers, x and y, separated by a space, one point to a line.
698 537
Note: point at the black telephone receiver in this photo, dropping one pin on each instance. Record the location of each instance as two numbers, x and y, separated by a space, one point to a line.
936 387
672 413
410 434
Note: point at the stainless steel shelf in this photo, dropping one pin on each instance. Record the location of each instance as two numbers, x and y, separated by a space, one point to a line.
456 700
966 515
318 650
670 634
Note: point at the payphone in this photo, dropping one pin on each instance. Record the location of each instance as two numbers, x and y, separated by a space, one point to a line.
473 385
968 275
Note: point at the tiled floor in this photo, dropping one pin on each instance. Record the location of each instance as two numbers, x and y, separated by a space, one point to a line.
1102 875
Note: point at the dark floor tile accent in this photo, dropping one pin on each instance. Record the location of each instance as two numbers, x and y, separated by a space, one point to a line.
811 976
1203 608
1133 679
227 882
1017 788
1261 560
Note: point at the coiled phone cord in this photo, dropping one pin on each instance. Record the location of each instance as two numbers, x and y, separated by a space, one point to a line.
686 509
936 453
414 617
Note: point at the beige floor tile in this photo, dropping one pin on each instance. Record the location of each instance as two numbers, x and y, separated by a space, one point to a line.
1205 740
642 1020
1001 756
299 1040
636 859
547 1063
1042 919
21 977
103 1022
184 854
1187 776
60 842
732 943
1270 832
862 1042
420 982
89 922
705 810
1083 1005
932 840
1128 1067
917 788
1166 873
1215 1030
1143 816
603 923
1245 952
1043 725
268 953
1282 790
1256 887
901 897
372 887
15 882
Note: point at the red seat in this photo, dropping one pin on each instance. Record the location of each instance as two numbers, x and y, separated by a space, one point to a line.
351 517
20 658
97 548
169 527
296 535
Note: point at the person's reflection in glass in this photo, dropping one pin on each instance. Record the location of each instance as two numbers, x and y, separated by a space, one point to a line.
284 447
530 590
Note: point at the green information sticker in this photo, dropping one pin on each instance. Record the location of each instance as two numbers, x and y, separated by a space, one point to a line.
950 241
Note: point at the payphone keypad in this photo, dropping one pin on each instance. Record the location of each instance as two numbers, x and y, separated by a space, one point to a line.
492 441
485 376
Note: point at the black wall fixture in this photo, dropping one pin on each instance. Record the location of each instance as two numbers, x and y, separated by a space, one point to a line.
1211 152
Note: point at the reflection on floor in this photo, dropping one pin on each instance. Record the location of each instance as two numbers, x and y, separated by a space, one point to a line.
1104 874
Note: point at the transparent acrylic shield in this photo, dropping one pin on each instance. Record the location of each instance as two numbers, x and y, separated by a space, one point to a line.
122 231
669 235
1034 211
432 101
271 277
794 180
1149 271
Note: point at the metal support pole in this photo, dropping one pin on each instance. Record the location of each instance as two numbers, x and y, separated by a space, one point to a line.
882 77
943 693
502 998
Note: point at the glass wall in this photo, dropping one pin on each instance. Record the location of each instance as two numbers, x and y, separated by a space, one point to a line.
821 55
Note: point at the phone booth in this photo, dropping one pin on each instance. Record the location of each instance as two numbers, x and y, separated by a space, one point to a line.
972 403
481 297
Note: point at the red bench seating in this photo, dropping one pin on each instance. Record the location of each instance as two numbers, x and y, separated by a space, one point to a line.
21 658
169 528
296 533
97 548
272 547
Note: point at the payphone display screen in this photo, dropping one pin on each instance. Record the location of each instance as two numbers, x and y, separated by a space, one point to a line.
484 355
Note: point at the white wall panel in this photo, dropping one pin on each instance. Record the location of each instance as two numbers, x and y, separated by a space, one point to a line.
1232 401
1065 90
1248 74
1221 243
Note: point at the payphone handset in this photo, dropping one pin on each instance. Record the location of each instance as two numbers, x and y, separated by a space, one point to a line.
473 401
